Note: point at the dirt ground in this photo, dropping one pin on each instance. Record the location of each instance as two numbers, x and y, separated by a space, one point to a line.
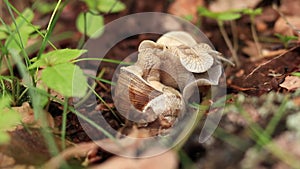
258 82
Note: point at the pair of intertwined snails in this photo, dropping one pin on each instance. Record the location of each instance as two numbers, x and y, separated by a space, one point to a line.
159 84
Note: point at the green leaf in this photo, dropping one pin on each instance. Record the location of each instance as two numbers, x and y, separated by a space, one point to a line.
285 38
92 4
94 24
4 137
28 14
202 10
189 17
228 16
110 6
67 79
296 74
5 101
14 42
205 12
221 16
3 35
253 12
9 118
57 57
41 95
44 7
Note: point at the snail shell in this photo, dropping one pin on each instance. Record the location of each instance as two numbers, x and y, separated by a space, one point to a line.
142 102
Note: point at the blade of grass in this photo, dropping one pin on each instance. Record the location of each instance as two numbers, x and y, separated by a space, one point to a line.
38 111
265 141
104 60
55 38
91 122
276 118
90 92
102 80
64 123
73 110
93 91
5 53
231 139
186 162
191 126
27 61
257 131
104 102
35 29
54 17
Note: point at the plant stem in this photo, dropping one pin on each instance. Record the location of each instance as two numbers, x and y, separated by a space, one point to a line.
228 43
64 124
234 34
255 37
191 126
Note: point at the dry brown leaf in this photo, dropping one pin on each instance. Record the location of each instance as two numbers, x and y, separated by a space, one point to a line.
166 160
282 27
225 5
297 101
251 50
185 7
26 146
290 7
6 161
80 150
268 53
291 83
125 146
28 116
268 15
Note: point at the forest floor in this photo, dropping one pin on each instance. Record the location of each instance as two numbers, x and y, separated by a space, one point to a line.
259 128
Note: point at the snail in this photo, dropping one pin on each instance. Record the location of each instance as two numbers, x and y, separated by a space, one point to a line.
164 76
144 102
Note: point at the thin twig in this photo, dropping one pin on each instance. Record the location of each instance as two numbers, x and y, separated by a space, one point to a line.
258 67
275 7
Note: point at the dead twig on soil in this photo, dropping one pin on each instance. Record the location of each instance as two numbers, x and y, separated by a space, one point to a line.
275 7
269 61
